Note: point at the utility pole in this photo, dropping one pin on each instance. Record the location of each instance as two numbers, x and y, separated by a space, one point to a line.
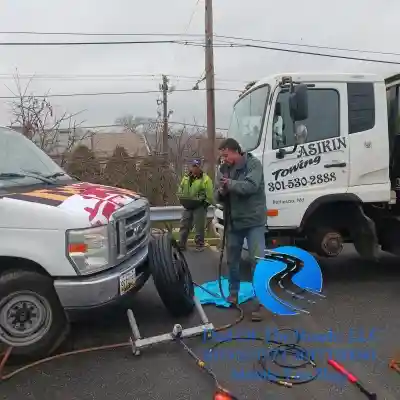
164 87
209 59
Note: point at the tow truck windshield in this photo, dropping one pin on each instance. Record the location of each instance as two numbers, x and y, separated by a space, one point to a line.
247 118
23 163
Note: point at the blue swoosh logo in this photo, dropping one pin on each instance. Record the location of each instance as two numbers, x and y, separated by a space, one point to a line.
308 278
266 270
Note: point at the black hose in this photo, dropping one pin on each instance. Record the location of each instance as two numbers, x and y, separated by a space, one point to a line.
216 295
221 259
287 357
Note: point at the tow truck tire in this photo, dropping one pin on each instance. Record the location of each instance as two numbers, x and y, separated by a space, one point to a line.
32 319
326 242
171 275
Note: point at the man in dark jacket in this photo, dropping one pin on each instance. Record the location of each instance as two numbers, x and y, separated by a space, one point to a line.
240 188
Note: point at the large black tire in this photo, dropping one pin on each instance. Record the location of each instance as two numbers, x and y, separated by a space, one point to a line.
171 275
30 297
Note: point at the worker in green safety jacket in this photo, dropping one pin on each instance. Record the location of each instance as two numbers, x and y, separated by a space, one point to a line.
196 194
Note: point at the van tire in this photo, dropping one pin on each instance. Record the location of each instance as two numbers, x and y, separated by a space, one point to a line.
29 302
171 275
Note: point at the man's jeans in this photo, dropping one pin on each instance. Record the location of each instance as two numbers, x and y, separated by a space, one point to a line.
256 247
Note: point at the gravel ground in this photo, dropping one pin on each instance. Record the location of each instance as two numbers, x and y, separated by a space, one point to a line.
361 303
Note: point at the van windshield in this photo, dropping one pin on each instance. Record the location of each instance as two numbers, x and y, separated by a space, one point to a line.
19 155
247 119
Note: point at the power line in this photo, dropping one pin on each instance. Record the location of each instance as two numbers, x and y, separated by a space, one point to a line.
190 20
149 123
308 45
187 43
105 77
311 53
103 43
114 93
186 31
99 33
185 34
227 44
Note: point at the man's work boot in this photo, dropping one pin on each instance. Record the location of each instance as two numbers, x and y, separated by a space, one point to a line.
233 298
256 313
199 247
199 243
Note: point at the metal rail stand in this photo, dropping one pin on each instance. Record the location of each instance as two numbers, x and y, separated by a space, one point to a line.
138 343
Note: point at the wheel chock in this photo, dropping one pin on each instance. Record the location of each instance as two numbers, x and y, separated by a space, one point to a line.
138 343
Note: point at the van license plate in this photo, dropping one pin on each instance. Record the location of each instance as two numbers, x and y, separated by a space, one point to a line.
127 281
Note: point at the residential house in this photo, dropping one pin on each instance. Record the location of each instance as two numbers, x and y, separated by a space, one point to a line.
103 142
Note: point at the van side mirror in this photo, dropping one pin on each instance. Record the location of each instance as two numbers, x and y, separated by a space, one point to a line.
298 103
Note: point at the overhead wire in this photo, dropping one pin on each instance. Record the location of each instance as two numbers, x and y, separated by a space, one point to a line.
116 77
148 123
185 34
186 31
95 33
103 43
311 53
114 93
188 43
351 50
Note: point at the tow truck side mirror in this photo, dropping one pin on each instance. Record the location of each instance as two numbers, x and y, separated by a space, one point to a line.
298 107
298 103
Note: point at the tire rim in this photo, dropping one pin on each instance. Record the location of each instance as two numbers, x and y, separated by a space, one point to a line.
25 318
182 268
332 244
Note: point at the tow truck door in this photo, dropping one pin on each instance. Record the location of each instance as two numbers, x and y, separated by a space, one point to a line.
318 167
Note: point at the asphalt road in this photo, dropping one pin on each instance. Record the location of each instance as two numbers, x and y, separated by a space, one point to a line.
362 296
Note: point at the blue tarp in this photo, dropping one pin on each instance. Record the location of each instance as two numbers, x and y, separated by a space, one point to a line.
246 293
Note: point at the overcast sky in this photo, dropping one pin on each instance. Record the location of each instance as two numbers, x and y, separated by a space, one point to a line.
359 24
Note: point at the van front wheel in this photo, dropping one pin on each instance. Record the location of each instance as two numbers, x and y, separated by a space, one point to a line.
32 320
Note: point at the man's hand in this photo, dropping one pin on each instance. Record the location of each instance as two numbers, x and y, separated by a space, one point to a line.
221 191
224 182
223 186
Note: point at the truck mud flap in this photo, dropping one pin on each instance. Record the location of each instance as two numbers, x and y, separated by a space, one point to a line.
364 235
389 235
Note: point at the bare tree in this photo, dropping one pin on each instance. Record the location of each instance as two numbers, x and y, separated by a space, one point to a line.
36 118
147 129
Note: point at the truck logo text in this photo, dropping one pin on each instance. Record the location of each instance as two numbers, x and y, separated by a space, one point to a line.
302 164
325 146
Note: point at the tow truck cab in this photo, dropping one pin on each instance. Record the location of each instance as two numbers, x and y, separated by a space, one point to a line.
330 149
65 246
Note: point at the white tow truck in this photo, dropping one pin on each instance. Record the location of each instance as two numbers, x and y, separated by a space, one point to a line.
67 246
330 148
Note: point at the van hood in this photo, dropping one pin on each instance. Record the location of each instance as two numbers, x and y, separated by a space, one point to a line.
85 204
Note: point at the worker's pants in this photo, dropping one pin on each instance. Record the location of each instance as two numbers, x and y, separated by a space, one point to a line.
255 237
196 217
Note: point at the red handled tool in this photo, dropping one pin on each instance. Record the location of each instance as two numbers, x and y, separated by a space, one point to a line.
223 394
394 364
352 379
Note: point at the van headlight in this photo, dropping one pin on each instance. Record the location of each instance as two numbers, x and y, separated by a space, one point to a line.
88 249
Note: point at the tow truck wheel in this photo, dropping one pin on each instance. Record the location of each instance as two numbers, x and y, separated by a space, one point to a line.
32 320
171 275
326 242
